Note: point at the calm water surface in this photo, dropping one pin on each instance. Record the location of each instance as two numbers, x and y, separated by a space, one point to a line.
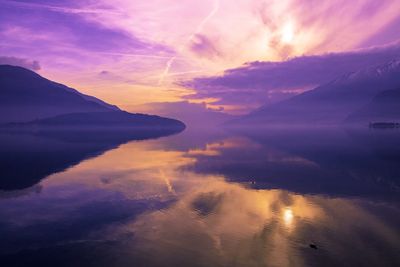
202 199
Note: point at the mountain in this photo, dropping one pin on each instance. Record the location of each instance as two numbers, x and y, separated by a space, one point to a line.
330 103
27 99
25 96
383 107
88 97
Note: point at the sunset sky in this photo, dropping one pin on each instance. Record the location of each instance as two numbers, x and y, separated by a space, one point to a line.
131 52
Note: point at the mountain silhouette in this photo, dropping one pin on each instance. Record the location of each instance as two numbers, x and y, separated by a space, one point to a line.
27 99
26 96
46 127
329 103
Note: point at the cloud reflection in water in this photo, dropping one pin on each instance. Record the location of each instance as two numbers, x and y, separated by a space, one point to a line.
238 226
151 204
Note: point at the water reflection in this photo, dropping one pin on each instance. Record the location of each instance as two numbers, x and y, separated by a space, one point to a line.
337 162
244 227
28 156
288 216
225 200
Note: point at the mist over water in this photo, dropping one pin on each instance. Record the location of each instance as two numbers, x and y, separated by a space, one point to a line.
206 198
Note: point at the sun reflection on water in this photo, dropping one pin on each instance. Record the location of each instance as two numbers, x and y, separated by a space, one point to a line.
288 217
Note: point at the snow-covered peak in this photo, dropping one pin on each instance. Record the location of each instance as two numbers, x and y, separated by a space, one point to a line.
388 68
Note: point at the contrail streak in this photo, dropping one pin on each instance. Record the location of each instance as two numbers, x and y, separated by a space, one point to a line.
198 30
137 55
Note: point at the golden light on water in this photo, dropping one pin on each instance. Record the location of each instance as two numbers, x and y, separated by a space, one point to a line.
288 216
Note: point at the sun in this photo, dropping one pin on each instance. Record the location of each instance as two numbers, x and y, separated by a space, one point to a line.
287 34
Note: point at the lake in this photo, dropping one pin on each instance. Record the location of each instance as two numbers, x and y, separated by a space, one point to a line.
267 197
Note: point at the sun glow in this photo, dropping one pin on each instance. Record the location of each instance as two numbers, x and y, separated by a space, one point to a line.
287 35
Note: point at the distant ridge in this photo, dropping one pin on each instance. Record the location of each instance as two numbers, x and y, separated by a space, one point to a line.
383 107
331 103
113 119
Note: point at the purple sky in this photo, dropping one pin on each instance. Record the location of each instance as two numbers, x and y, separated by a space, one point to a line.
131 52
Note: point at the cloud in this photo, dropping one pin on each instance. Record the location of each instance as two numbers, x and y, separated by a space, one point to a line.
257 83
75 40
64 6
22 62
390 33
73 47
204 47
248 30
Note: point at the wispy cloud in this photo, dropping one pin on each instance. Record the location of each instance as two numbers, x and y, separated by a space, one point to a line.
199 28
252 30
60 8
